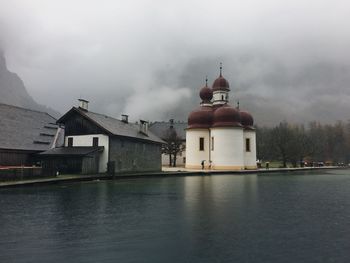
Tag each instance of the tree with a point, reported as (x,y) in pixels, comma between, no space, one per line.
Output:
(263,146)
(281,141)
(173,144)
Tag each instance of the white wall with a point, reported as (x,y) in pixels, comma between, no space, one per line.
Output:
(194,156)
(86,140)
(217,97)
(250,157)
(228,148)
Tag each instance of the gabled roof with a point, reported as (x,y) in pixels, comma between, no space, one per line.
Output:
(160,128)
(24,129)
(113,126)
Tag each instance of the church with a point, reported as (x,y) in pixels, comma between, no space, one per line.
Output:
(219,136)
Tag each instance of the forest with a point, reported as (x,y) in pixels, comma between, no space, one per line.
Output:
(314,144)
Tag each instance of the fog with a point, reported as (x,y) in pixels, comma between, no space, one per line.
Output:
(285,60)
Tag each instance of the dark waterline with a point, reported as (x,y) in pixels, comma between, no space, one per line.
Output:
(221,218)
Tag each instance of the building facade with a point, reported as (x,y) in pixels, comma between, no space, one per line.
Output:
(219,136)
(96,143)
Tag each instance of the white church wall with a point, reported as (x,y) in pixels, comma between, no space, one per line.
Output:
(194,156)
(228,148)
(250,156)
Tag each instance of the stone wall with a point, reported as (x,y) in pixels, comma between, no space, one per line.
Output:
(134,156)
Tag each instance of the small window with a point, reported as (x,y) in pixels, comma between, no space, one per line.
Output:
(201,144)
(222,97)
(95,141)
(212,143)
(247,145)
(70,142)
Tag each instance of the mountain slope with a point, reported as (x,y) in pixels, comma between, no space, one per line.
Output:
(13,91)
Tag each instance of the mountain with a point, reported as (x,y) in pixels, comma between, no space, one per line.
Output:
(13,91)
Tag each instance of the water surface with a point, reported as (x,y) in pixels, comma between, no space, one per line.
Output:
(293,217)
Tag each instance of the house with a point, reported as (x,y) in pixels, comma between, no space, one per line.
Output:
(24,133)
(163,129)
(219,136)
(96,143)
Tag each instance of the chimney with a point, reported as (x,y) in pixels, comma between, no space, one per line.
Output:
(83,104)
(144,127)
(125,118)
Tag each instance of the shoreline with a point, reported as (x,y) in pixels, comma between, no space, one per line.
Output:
(167,172)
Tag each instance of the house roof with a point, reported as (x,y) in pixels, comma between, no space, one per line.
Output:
(160,128)
(114,126)
(24,129)
(72,151)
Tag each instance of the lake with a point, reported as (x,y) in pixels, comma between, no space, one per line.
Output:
(291,217)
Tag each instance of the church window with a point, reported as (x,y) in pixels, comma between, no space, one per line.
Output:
(212,143)
(247,145)
(201,144)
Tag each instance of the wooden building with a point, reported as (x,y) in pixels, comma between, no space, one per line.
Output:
(96,143)
(24,133)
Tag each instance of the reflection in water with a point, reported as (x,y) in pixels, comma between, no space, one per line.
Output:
(221,218)
(214,203)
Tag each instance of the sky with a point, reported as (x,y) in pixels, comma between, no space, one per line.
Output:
(285,60)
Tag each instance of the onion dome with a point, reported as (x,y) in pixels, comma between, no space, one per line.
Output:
(217,106)
(226,116)
(201,118)
(206,94)
(221,83)
(246,119)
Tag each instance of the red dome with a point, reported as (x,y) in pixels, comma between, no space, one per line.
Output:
(226,116)
(200,118)
(246,119)
(206,93)
(221,84)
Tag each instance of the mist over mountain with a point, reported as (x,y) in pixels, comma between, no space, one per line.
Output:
(13,91)
(284,60)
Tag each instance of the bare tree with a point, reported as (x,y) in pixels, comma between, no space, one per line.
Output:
(173,144)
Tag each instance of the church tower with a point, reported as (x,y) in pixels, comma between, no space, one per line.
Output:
(221,89)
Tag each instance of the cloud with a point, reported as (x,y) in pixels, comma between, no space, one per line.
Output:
(149,58)
(152,104)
